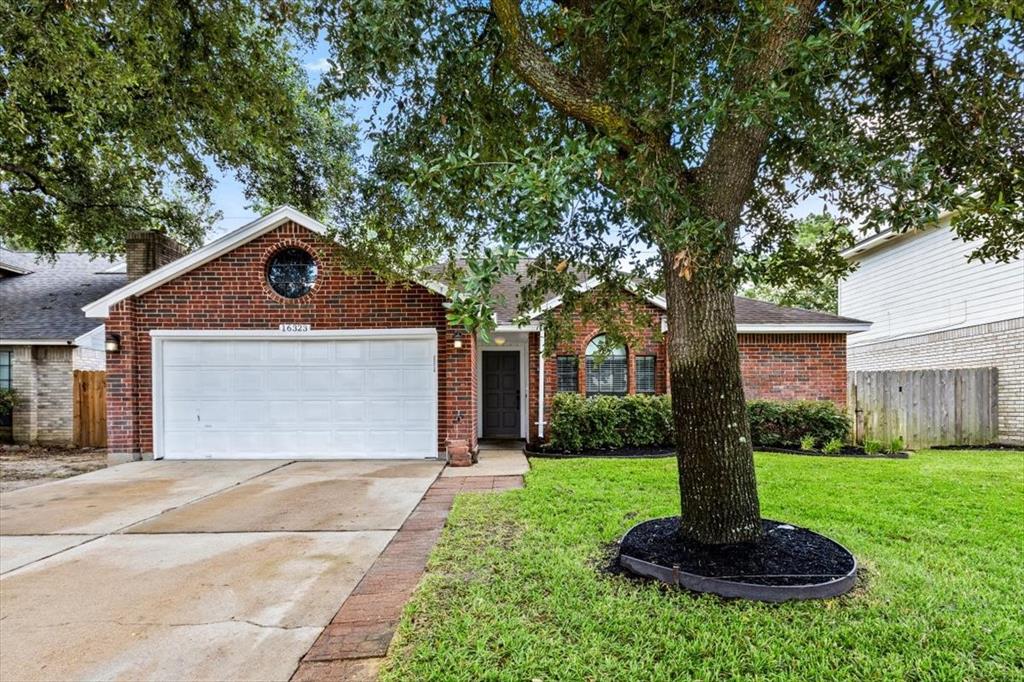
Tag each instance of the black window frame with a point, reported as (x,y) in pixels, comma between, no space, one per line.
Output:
(288,282)
(641,381)
(6,419)
(567,369)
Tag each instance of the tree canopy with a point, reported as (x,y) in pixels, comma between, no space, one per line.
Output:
(588,132)
(810,290)
(112,113)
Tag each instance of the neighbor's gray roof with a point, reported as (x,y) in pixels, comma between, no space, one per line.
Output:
(46,304)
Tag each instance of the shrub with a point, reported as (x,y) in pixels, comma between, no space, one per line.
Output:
(645,421)
(780,424)
(833,447)
(872,447)
(579,423)
(895,445)
(8,401)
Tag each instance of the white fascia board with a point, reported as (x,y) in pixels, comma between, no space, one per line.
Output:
(876,240)
(14,268)
(511,328)
(215,249)
(819,328)
(584,287)
(273,334)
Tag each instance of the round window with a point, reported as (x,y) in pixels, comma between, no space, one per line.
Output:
(291,272)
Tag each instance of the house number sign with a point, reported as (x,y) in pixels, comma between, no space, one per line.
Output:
(294,327)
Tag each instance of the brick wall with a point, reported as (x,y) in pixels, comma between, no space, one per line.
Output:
(794,366)
(42,376)
(651,342)
(231,292)
(996,344)
(774,366)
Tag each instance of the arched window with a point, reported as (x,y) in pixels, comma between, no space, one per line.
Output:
(606,367)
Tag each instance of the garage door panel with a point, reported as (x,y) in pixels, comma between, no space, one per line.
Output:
(386,352)
(349,411)
(384,412)
(417,352)
(283,351)
(418,380)
(315,398)
(419,413)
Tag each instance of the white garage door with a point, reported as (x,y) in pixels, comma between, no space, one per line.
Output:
(280,397)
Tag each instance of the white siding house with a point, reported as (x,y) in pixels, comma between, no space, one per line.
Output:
(932,309)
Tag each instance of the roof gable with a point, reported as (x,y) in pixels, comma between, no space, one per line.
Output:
(214,250)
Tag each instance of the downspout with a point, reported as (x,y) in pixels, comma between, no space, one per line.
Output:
(540,386)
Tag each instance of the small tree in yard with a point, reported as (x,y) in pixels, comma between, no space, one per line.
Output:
(672,139)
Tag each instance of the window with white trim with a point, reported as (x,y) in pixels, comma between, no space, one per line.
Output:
(6,365)
(606,368)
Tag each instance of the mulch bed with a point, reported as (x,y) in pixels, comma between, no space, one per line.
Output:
(650,452)
(787,555)
(847,451)
(990,446)
(633,452)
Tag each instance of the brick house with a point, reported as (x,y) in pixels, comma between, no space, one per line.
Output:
(45,338)
(260,345)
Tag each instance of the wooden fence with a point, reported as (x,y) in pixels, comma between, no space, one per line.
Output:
(925,407)
(90,408)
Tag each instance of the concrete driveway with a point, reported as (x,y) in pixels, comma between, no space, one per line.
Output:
(199,570)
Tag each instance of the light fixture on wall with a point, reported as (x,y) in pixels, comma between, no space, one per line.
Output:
(458,340)
(113,343)
(499,340)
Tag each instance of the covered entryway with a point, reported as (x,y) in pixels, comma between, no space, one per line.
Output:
(312,395)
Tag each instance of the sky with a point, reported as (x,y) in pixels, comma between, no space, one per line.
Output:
(229,199)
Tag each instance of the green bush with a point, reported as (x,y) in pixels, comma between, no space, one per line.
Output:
(776,423)
(872,447)
(579,423)
(807,443)
(645,421)
(8,401)
(833,447)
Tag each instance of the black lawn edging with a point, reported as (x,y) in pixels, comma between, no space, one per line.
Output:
(789,563)
(654,453)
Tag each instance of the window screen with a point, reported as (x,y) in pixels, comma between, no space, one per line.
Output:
(645,365)
(607,376)
(568,377)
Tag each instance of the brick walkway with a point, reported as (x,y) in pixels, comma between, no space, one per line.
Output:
(355,643)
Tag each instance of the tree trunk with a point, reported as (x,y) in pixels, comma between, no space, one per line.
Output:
(717,486)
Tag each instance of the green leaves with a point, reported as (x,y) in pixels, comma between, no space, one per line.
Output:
(112,111)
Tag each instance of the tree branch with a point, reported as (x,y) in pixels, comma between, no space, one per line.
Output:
(569,94)
(735,149)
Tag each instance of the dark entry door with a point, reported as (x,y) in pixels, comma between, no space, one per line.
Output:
(500,397)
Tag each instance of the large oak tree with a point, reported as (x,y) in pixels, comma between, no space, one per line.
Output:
(112,114)
(672,139)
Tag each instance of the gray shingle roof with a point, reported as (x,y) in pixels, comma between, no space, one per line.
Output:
(46,303)
(748,310)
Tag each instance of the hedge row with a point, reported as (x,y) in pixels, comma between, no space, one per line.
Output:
(608,422)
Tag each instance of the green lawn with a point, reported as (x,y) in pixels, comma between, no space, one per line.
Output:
(514,589)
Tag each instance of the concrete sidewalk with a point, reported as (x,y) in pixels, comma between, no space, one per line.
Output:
(494,460)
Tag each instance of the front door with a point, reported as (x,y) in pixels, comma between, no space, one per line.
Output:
(500,394)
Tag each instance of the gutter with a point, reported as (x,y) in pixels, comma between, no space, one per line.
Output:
(540,386)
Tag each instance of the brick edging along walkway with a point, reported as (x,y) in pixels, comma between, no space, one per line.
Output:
(364,625)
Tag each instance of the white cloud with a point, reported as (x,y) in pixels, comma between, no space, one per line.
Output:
(322,65)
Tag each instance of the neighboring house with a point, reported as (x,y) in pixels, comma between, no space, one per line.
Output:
(260,345)
(931,308)
(44,337)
